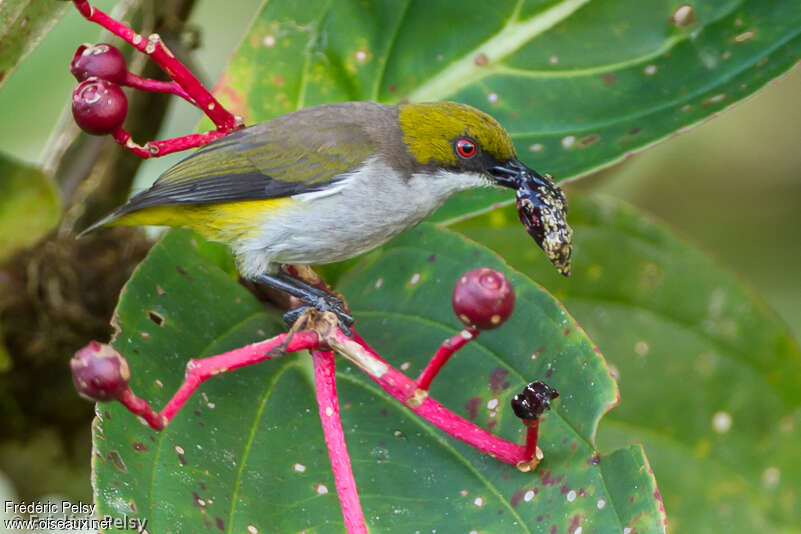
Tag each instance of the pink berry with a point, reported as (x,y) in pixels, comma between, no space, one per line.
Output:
(99,372)
(101,61)
(483,298)
(99,107)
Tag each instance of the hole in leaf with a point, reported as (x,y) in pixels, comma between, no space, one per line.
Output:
(156,317)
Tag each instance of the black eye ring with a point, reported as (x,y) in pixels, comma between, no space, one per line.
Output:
(466,148)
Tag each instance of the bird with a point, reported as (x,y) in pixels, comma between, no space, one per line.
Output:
(327,183)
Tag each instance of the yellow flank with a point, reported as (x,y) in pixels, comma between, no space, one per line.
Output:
(430,128)
(224,221)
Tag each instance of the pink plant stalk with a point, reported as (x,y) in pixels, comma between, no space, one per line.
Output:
(156,86)
(326,390)
(166,146)
(404,389)
(326,335)
(441,357)
(184,84)
(154,47)
(323,336)
(198,371)
(357,351)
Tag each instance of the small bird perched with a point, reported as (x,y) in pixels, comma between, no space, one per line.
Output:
(327,183)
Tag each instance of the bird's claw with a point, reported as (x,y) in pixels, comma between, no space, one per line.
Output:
(329,303)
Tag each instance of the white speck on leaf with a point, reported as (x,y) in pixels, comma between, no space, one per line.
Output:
(721,422)
(771,477)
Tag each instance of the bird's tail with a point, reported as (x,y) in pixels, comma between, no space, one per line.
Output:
(104,221)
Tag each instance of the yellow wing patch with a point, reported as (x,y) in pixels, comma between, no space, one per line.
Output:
(226,222)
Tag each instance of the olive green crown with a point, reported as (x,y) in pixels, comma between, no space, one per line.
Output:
(429,130)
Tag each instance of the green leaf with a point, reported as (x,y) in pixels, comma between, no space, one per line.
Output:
(578,84)
(708,374)
(23,23)
(5,357)
(247,450)
(29,206)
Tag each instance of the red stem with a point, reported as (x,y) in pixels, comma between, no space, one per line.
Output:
(403,388)
(156,86)
(532,434)
(155,48)
(198,371)
(391,380)
(441,357)
(165,146)
(325,382)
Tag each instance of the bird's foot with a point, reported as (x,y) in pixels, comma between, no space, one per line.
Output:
(294,315)
(312,297)
(327,303)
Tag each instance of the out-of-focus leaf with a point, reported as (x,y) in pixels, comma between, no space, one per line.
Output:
(23,23)
(5,357)
(29,206)
(708,374)
(578,84)
(247,454)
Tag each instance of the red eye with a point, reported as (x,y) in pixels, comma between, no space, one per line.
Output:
(466,148)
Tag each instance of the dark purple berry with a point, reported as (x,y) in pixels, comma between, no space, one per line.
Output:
(99,372)
(99,107)
(534,400)
(101,61)
(483,298)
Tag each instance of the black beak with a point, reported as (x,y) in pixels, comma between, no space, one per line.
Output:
(542,208)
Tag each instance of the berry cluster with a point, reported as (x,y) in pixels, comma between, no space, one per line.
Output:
(98,104)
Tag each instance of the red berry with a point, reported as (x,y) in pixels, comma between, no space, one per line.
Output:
(99,107)
(101,61)
(99,372)
(483,298)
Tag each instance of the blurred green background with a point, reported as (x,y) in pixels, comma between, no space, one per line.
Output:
(730,185)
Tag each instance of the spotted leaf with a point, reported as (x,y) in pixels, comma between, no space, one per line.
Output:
(721,424)
(247,454)
(578,84)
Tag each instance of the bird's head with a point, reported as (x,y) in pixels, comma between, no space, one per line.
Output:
(468,142)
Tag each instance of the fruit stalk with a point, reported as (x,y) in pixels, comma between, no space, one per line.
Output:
(448,348)
(328,403)
(154,47)
(403,388)
(164,146)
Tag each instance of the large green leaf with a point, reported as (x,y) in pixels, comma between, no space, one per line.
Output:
(247,450)
(23,23)
(29,206)
(578,84)
(708,374)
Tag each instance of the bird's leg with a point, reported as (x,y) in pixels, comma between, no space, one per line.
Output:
(310,295)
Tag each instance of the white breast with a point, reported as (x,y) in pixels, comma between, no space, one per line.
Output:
(361,212)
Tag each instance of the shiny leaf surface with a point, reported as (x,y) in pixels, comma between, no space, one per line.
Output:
(23,23)
(708,374)
(247,451)
(578,84)
(29,206)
